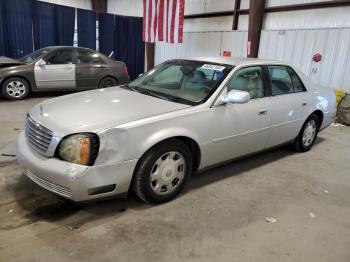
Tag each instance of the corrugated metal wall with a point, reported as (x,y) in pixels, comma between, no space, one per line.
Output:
(298,46)
(292,46)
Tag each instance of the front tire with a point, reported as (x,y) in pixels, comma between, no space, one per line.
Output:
(162,172)
(307,135)
(15,88)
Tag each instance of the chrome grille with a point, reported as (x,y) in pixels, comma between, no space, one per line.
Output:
(66,192)
(38,136)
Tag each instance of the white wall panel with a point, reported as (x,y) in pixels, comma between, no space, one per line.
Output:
(194,45)
(84,4)
(290,2)
(335,17)
(298,46)
(125,7)
(203,44)
(194,6)
(223,23)
(236,42)
(217,6)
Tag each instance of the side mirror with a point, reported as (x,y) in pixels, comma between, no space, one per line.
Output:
(236,97)
(41,62)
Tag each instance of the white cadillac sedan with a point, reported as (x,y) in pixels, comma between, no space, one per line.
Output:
(180,117)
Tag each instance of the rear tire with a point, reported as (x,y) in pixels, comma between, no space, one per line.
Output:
(15,88)
(163,172)
(108,82)
(307,135)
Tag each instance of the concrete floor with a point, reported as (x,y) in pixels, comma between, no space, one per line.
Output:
(220,216)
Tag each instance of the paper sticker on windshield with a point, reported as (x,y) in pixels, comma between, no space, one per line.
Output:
(213,67)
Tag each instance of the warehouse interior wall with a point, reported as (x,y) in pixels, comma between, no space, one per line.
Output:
(83,4)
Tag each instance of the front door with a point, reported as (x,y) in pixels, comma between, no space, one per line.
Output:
(241,129)
(58,72)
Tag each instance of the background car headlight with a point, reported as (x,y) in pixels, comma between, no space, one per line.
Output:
(79,148)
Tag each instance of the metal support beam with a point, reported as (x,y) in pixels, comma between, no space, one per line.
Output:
(99,6)
(256,17)
(236,14)
(150,55)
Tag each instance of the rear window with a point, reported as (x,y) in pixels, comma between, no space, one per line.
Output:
(281,82)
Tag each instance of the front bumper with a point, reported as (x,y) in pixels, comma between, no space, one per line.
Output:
(70,180)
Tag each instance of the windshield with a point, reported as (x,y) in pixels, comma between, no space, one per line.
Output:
(182,81)
(34,56)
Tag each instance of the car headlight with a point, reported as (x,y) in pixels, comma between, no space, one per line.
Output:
(79,148)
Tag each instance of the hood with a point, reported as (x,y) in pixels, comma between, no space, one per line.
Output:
(6,61)
(98,109)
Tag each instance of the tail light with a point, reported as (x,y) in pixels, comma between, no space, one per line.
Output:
(126,71)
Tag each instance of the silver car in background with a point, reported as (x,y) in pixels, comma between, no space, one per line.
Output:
(182,116)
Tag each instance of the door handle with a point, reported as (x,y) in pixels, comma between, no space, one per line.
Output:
(304,103)
(262,112)
(67,68)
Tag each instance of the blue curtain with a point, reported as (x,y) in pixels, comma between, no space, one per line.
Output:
(64,25)
(86,28)
(106,33)
(17,32)
(43,24)
(128,44)
(2,36)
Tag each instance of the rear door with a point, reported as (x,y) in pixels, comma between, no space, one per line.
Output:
(289,102)
(90,68)
(58,72)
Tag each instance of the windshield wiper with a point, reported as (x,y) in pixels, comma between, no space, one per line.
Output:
(129,87)
(151,93)
(143,91)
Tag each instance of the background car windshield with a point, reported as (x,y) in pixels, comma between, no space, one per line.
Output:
(34,56)
(189,82)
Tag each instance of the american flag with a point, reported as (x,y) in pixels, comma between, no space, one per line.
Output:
(163,20)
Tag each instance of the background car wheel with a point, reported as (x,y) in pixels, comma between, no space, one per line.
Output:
(307,134)
(162,172)
(15,88)
(108,82)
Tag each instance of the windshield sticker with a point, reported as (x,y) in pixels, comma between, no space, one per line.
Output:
(213,67)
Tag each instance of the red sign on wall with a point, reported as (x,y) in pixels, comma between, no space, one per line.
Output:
(226,53)
(317,57)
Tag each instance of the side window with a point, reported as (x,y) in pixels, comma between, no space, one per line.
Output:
(281,82)
(172,74)
(297,84)
(248,79)
(88,57)
(63,56)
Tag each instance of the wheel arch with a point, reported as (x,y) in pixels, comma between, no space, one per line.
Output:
(19,76)
(320,116)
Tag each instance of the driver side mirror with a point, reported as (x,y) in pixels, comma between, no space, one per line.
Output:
(41,62)
(236,97)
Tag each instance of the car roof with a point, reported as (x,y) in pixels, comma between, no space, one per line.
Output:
(235,60)
(62,46)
